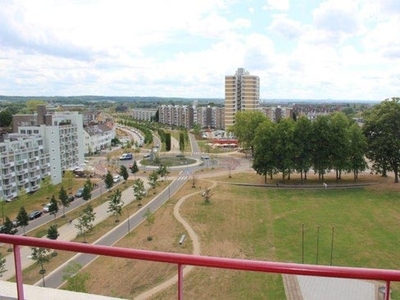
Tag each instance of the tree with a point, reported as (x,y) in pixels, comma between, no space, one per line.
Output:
(153,179)
(181,142)
(5,118)
(168,141)
(284,147)
(196,129)
(163,171)
(265,141)
(150,221)
(381,128)
(53,208)
(139,190)
(8,227)
(87,190)
(246,123)
(41,256)
(302,146)
(115,204)
(339,143)
(63,196)
(85,221)
(320,139)
(108,180)
(357,149)
(75,280)
(22,218)
(31,105)
(2,265)
(52,232)
(134,168)
(123,172)
(206,194)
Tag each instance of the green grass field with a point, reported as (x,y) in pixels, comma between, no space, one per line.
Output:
(267,224)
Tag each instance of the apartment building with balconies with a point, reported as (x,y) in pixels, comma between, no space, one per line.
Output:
(242,92)
(63,137)
(24,163)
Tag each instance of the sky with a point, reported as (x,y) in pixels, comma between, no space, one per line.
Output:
(300,49)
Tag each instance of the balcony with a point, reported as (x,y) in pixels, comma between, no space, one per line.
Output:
(182,260)
(8,175)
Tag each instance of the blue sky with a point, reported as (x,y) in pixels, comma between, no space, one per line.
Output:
(305,49)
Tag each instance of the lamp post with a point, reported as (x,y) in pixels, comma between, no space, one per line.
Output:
(2,208)
(129,225)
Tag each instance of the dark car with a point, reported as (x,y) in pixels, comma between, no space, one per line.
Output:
(71,198)
(35,214)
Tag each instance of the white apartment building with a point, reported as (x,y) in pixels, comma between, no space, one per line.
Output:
(63,138)
(143,114)
(98,137)
(24,162)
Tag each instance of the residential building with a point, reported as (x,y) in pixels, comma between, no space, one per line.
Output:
(24,163)
(211,117)
(63,137)
(242,92)
(275,114)
(98,137)
(143,114)
(176,115)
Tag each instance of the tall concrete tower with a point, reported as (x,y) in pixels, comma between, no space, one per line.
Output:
(242,92)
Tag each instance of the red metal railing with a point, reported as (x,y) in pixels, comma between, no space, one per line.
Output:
(196,260)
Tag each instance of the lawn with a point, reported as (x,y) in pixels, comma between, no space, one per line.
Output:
(265,224)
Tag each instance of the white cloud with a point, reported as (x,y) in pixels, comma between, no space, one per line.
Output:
(281,5)
(286,27)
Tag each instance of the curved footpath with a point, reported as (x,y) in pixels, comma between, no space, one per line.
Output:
(196,248)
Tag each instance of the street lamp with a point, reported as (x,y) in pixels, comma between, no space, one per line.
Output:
(129,225)
(2,208)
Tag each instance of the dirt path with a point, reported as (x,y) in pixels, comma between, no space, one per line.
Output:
(196,248)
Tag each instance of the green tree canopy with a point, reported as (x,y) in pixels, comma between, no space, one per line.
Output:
(246,123)
(382,130)
(5,118)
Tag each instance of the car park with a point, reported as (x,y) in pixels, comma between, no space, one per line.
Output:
(35,214)
(79,193)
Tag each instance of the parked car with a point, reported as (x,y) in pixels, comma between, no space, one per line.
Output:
(46,208)
(15,223)
(126,156)
(35,214)
(146,155)
(79,193)
(71,198)
(116,178)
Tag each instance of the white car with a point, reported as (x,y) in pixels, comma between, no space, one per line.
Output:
(116,178)
(46,208)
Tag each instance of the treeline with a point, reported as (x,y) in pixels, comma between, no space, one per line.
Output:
(331,142)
